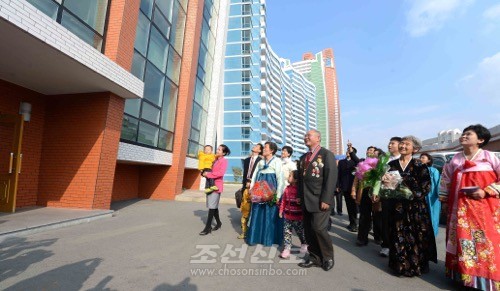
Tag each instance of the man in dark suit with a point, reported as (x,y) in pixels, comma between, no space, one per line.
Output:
(316,186)
(346,168)
(249,165)
(252,160)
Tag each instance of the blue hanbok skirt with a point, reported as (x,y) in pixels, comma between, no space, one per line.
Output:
(266,227)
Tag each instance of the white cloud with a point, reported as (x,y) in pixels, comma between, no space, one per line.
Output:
(492,13)
(427,15)
(484,83)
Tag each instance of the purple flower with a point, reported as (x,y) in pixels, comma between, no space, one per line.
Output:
(372,162)
(362,168)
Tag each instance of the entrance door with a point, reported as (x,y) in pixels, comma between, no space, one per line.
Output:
(11,135)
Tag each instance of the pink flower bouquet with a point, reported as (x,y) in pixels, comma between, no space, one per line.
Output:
(370,172)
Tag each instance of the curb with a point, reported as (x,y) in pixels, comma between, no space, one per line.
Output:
(55,225)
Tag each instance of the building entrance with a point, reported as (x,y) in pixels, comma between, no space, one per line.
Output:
(11,133)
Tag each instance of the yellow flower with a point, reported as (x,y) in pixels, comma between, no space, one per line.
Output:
(466,278)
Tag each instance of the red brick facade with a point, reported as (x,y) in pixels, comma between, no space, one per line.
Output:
(71,144)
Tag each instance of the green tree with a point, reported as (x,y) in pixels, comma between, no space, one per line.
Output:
(237,174)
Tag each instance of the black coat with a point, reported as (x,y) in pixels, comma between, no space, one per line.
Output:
(317,182)
(346,169)
(246,165)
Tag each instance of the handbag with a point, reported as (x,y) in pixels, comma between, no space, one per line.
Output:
(261,192)
(238,196)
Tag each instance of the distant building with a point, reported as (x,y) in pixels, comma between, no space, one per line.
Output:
(320,69)
(265,99)
(447,140)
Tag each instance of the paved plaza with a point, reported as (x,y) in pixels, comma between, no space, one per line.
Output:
(154,245)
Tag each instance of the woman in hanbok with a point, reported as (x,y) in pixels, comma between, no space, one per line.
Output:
(469,184)
(266,227)
(433,196)
(412,242)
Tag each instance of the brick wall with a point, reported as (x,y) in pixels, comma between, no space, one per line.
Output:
(192,179)
(154,182)
(126,182)
(120,34)
(109,152)
(11,96)
(80,135)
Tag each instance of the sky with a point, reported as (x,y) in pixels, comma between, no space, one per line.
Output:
(403,66)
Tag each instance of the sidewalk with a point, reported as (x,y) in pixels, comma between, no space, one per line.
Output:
(31,220)
(155,245)
(227,196)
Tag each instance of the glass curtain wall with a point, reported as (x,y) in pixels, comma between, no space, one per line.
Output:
(157,60)
(86,19)
(203,77)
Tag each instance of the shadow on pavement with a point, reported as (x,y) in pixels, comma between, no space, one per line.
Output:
(184,285)
(17,254)
(203,215)
(68,277)
(235,219)
(370,254)
(123,204)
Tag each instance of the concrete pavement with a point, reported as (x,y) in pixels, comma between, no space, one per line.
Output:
(154,245)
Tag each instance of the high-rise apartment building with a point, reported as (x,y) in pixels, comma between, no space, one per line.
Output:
(320,69)
(265,99)
(106,100)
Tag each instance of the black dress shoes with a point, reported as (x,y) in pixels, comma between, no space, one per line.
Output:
(206,231)
(328,265)
(308,264)
(352,228)
(218,226)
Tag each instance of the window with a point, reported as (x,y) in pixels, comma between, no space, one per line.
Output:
(246,9)
(246,22)
(246,35)
(157,61)
(203,81)
(246,62)
(245,76)
(245,104)
(245,89)
(245,132)
(246,48)
(245,118)
(86,19)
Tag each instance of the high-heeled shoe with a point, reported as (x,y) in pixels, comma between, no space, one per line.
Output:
(206,231)
(218,226)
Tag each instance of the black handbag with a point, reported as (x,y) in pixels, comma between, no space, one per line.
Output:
(238,195)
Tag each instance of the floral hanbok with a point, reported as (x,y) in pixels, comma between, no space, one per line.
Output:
(265,225)
(473,226)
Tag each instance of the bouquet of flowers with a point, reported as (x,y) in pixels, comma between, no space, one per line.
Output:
(263,192)
(370,173)
(392,187)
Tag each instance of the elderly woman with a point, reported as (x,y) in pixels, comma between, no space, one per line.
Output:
(266,227)
(433,196)
(470,185)
(218,170)
(412,242)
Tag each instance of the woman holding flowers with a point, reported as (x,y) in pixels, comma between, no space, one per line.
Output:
(412,242)
(266,227)
(471,186)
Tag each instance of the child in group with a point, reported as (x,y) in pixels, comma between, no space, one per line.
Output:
(291,210)
(246,204)
(205,160)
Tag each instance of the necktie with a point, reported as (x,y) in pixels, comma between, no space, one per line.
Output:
(249,175)
(308,160)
